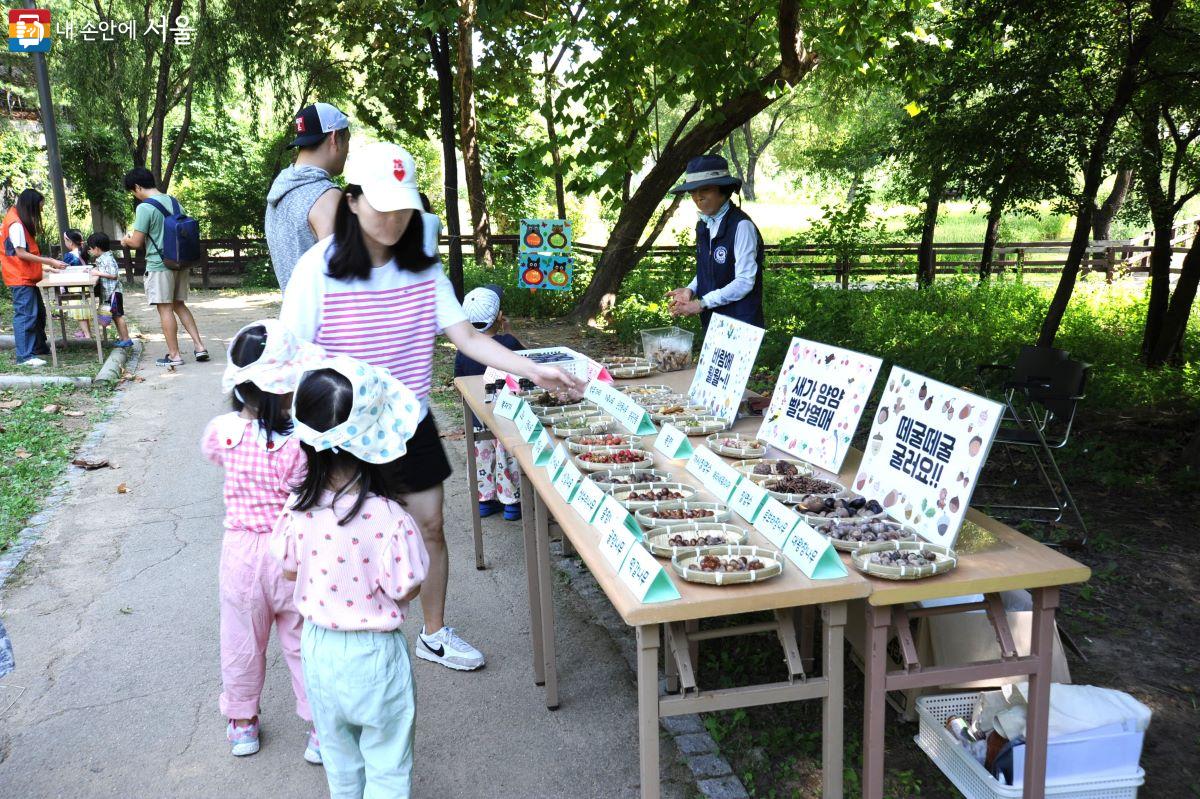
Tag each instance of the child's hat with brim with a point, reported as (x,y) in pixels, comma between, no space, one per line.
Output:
(285,357)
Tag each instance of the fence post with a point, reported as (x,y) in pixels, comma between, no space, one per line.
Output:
(128,259)
(1021,261)
(204,269)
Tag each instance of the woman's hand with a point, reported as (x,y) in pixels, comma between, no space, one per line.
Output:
(677,296)
(555,379)
(688,308)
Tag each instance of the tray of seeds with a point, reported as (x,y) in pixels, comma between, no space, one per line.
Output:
(797,488)
(850,535)
(586,443)
(653,404)
(626,367)
(735,445)
(680,512)
(728,565)
(904,560)
(675,411)
(543,398)
(647,495)
(582,425)
(760,470)
(643,393)
(700,424)
(615,458)
(825,507)
(667,542)
(555,415)
(611,479)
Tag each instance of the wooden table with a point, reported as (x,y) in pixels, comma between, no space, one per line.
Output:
(85,285)
(993,557)
(679,618)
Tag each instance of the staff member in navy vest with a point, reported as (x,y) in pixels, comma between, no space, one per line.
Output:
(729,249)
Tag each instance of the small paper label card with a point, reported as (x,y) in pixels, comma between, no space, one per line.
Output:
(673,442)
(813,553)
(775,521)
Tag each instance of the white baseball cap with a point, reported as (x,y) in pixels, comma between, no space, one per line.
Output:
(481,306)
(388,176)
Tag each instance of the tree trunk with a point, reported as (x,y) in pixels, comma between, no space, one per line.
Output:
(1103,217)
(468,126)
(992,233)
(1174,324)
(618,259)
(439,51)
(734,159)
(751,161)
(926,258)
(1122,94)
(560,194)
(1162,216)
(161,104)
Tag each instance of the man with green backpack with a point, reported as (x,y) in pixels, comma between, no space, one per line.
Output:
(172,245)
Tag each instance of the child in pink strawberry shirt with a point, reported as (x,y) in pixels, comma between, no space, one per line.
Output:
(262,461)
(358,560)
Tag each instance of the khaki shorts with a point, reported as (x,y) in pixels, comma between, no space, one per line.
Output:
(166,287)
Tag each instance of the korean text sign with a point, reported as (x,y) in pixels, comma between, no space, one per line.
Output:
(726,358)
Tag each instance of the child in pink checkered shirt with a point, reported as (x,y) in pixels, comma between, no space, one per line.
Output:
(262,462)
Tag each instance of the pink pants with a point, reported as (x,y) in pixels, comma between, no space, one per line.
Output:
(254,594)
(497,473)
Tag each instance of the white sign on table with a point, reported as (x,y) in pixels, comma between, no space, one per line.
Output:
(673,442)
(559,457)
(564,358)
(748,499)
(631,415)
(528,425)
(508,405)
(726,358)
(710,469)
(615,544)
(775,521)
(542,448)
(817,402)
(568,480)
(613,515)
(813,553)
(587,499)
(645,577)
(926,448)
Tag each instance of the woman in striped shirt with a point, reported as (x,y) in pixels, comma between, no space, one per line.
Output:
(375,290)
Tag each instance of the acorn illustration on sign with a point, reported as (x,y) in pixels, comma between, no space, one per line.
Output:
(557,239)
(533,238)
(558,275)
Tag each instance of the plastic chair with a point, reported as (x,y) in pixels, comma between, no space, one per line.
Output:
(1042,390)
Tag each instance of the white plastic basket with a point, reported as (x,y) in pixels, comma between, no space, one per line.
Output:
(970,777)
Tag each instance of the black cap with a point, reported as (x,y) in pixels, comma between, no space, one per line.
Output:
(314,122)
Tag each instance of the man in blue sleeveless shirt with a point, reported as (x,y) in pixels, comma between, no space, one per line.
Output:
(729,249)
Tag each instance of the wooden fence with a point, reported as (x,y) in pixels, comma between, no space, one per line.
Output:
(231,256)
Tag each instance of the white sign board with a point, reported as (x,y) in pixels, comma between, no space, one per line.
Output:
(726,358)
(817,402)
(926,448)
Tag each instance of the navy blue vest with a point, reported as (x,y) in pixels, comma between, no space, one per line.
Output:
(715,269)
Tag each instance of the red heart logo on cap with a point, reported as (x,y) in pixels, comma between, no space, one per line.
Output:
(398,168)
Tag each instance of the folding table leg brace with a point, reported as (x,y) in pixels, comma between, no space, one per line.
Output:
(1037,666)
(682,639)
(471,436)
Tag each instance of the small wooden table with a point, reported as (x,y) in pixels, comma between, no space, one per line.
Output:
(672,627)
(88,299)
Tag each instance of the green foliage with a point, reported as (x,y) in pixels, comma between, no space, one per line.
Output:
(223,176)
(260,274)
(22,166)
(845,231)
(94,160)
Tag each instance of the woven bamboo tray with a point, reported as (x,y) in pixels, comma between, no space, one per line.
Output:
(687,566)
(946,561)
(657,539)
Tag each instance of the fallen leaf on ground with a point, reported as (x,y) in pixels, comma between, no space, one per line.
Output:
(90,463)
(125,611)
(74,414)
(122,489)
(9,405)
(454,435)
(51,408)
(22,453)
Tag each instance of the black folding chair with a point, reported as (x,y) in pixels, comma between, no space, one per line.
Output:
(1042,390)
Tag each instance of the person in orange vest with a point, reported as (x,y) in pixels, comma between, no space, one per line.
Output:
(24,267)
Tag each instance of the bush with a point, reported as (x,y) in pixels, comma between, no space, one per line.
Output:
(260,274)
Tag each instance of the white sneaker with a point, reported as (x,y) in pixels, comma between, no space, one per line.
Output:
(447,648)
(32,362)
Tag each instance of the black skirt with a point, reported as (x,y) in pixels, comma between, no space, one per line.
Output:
(423,466)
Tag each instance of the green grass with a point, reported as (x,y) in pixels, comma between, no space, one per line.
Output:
(37,446)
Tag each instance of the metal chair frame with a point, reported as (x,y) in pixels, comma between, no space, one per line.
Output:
(1034,415)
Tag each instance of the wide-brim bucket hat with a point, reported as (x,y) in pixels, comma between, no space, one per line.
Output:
(707,170)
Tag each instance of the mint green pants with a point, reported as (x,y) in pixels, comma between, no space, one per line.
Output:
(361,692)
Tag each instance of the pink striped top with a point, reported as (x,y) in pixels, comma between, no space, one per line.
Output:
(389,320)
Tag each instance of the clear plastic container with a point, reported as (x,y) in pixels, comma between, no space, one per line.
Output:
(669,349)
